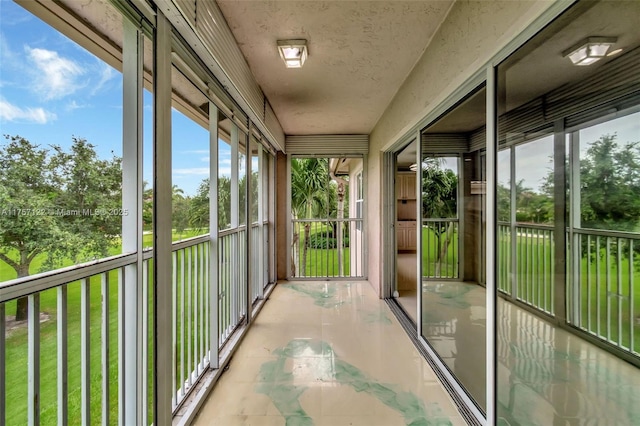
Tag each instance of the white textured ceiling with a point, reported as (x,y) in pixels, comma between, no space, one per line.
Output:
(360,52)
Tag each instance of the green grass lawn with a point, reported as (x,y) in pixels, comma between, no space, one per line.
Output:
(16,356)
(17,349)
(435,262)
(323,262)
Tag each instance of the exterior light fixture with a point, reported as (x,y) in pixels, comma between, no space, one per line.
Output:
(589,50)
(413,167)
(293,52)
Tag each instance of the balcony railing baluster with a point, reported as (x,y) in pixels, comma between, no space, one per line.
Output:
(322,257)
(62,358)
(33,403)
(603,282)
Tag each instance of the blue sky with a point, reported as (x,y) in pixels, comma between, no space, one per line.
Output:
(52,89)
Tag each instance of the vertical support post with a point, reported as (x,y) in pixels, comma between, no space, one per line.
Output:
(559,229)
(234,279)
(261,191)
(63,377)
(249,267)
(162,223)
(389,241)
(132,58)
(364,251)
(213,236)
(419,248)
(33,403)
(271,215)
(573,314)
(491,209)
(461,200)
(289,223)
(235,194)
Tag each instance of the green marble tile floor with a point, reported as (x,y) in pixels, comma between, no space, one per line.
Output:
(328,354)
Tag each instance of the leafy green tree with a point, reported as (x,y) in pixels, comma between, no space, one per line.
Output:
(503,194)
(180,206)
(224,202)
(92,187)
(309,182)
(439,190)
(57,204)
(199,208)
(531,206)
(610,185)
(147,206)
(439,200)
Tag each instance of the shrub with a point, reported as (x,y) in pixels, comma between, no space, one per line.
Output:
(321,240)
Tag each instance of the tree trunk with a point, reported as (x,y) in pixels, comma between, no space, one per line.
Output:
(294,254)
(22,303)
(307,231)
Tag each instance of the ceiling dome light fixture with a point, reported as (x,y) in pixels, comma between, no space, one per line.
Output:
(293,52)
(614,52)
(589,50)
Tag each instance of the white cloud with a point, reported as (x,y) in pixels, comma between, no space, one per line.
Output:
(5,51)
(224,171)
(107,73)
(193,171)
(11,112)
(56,77)
(73,105)
(205,159)
(196,151)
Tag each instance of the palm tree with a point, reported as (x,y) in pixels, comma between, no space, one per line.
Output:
(308,198)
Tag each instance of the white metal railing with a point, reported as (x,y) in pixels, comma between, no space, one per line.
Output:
(316,250)
(602,271)
(535,265)
(531,255)
(190,314)
(606,264)
(86,332)
(232,279)
(259,247)
(440,254)
(63,367)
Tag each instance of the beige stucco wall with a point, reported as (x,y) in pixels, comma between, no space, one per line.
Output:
(472,33)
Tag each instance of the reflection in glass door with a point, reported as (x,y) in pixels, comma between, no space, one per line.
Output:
(604,231)
(440,230)
(452,206)
(568,230)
